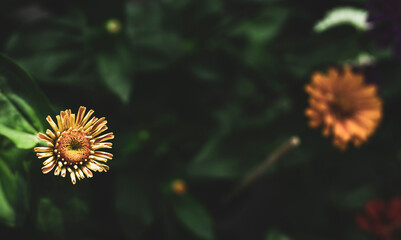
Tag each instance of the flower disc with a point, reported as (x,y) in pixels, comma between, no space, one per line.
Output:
(74,147)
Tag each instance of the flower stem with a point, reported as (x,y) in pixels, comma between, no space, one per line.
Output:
(258,171)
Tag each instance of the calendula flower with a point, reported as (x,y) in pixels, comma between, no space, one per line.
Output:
(382,219)
(345,105)
(73,145)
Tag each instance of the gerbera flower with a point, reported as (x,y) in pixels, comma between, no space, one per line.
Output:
(73,145)
(345,105)
(381,219)
(385,18)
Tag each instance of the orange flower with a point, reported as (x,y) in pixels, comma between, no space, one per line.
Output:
(74,145)
(345,105)
(179,187)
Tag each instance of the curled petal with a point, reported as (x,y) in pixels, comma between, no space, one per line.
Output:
(80,115)
(52,124)
(97,158)
(63,171)
(57,170)
(99,131)
(51,134)
(80,173)
(47,168)
(101,145)
(72,176)
(104,154)
(43,155)
(104,137)
(45,138)
(43,149)
(50,159)
(86,118)
(87,172)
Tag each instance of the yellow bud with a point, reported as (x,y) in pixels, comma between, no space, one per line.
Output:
(113,26)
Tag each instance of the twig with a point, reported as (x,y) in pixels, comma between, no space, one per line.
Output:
(255,174)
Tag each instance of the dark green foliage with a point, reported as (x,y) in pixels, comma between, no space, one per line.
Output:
(202,91)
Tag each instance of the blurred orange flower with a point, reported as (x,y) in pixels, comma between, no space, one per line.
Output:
(179,187)
(345,105)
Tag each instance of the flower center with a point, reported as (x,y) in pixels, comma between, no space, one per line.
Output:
(74,147)
(342,107)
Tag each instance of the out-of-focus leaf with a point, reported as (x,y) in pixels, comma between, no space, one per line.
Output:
(13,196)
(17,82)
(273,111)
(215,168)
(55,50)
(343,16)
(353,199)
(50,218)
(225,118)
(7,213)
(154,47)
(77,210)
(274,234)
(9,182)
(133,207)
(131,142)
(21,139)
(260,31)
(327,54)
(18,121)
(114,75)
(7,193)
(265,27)
(194,216)
(13,117)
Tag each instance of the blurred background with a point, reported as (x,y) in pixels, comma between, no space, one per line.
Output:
(198,95)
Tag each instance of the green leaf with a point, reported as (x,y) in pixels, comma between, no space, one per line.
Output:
(343,16)
(16,82)
(259,32)
(21,139)
(354,198)
(218,168)
(18,121)
(274,234)
(133,207)
(50,218)
(194,216)
(13,196)
(114,75)
(9,182)
(8,189)
(12,116)
(7,213)
(76,210)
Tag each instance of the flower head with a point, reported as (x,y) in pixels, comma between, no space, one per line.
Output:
(381,219)
(345,105)
(113,26)
(179,187)
(74,145)
(385,18)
